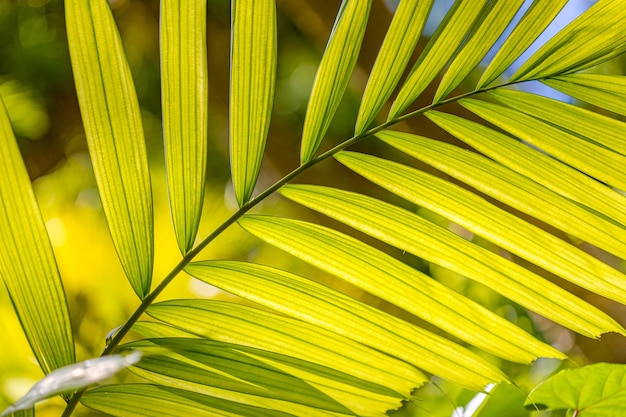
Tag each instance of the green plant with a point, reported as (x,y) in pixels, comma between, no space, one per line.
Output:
(326,353)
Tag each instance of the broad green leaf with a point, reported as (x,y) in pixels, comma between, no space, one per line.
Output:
(597,390)
(70,378)
(534,165)
(405,287)
(112,122)
(184,86)
(27,264)
(491,27)
(594,160)
(242,325)
(410,232)
(253,75)
(324,307)
(513,189)
(144,400)
(333,74)
(442,45)
(538,16)
(260,378)
(594,37)
(605,91)
(591,126)
(393,57)
(494,224)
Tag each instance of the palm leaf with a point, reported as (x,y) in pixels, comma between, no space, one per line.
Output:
(441,47)
(114,134)
(570,50)
(333,73)
(405,287)
(35,288)
(535,20)
(144,400)
(498,16)
(605,91)
(185,88)
(256,328)
(253,73)
(319,305)
(418,236)
(393,57)
(321,352)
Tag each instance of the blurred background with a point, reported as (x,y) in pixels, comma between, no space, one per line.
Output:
(37,87)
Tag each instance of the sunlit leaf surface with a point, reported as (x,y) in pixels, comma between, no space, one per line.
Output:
(406,287)
(253,74)
(114,131)
(333,73)
(422,238)
(393,57)
(184,86)
(27,264)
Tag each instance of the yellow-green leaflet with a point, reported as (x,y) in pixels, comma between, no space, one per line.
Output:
(27,264)
(393,57)
(366,267)
(243,325)
(258,377)
(591,126)
(252,77)
(494,224)
(592,38)
(184,86)
(112,122)
(143,400)
(319,305)
(333,74)
(538,16)
(499,15)
(596,161)
(442,45)
(410,232)
(513,189)
(537,166)
(605,91)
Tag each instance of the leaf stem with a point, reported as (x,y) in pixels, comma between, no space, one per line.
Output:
(146,302)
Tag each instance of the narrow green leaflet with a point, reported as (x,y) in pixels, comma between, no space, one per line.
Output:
(324,307)
(112,122)
(252,75)
(366,267)
(333,74)
(596,128)
(491,27)
(597,390)
(605,91)
(442,45)
(596,161)
(594,37)
(184,86)
(393,57)
(534,165)
(416,235)
(493,223)
(538,16)
(27,264)
(513,189)
(261,378)
(235,323)
(144,400)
